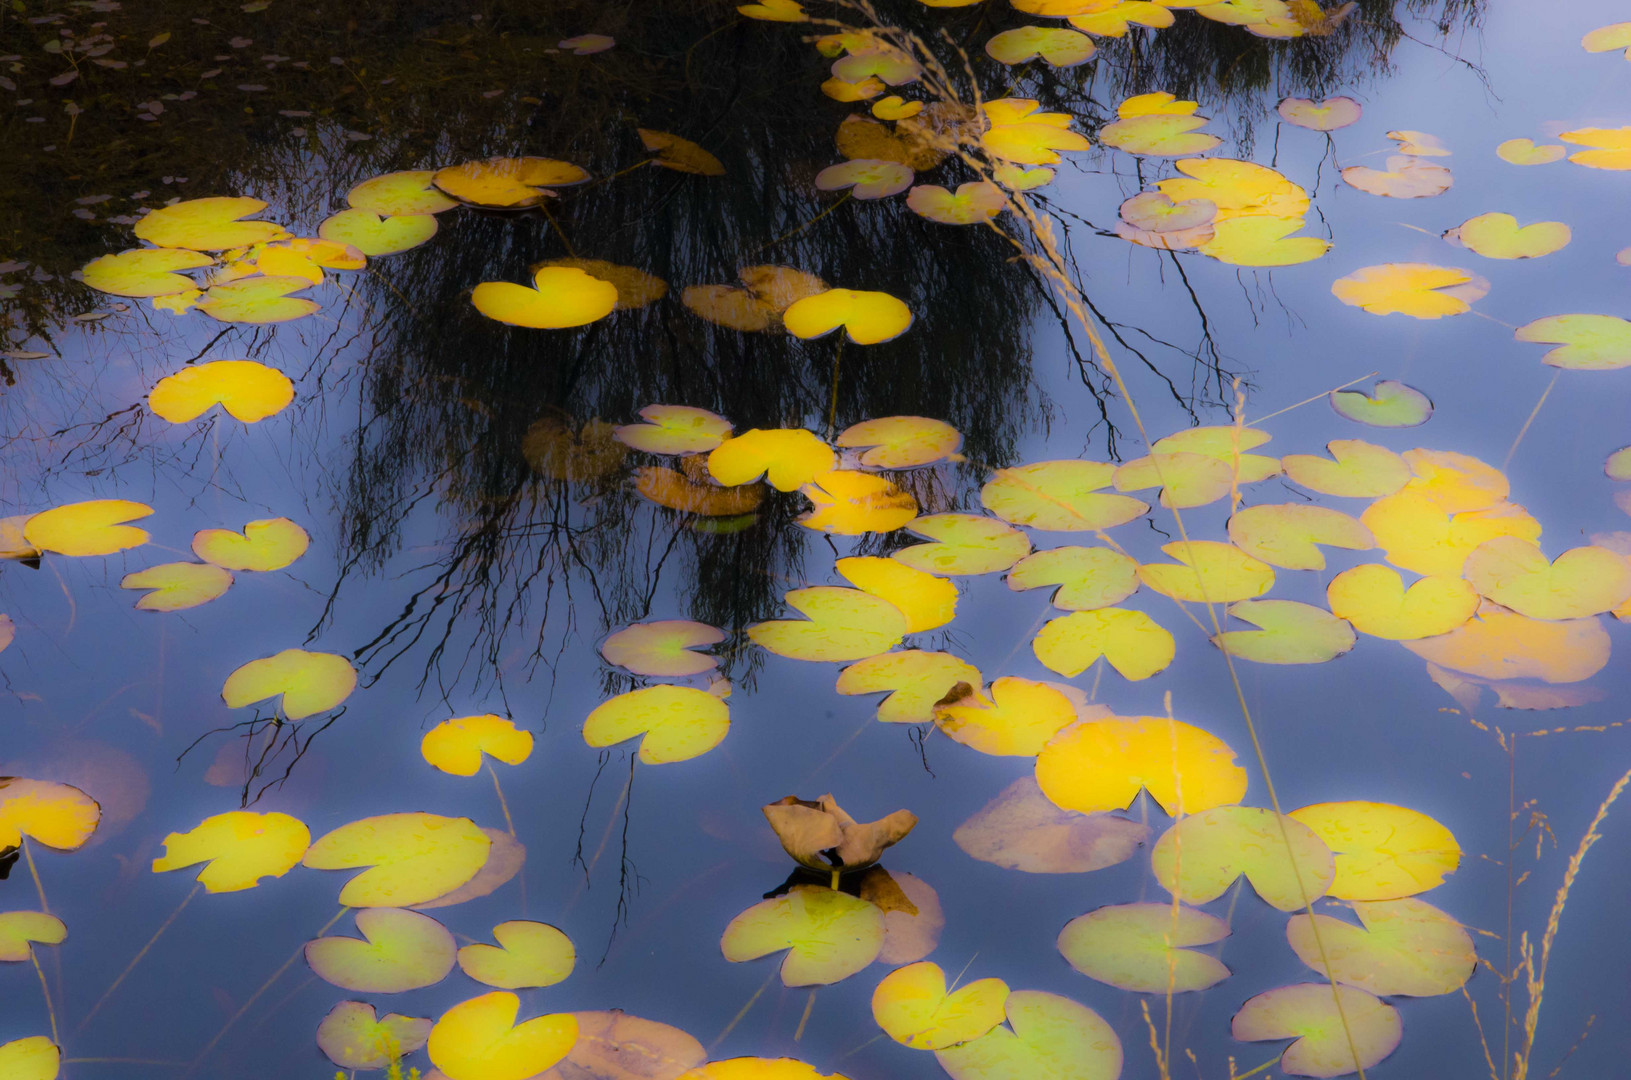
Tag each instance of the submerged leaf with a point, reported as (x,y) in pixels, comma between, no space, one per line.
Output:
(1022,830)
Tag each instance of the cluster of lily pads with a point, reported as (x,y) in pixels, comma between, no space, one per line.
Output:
(1487,609)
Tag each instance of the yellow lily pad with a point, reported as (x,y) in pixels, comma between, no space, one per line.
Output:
(1338,1030)
(177,586)
(1391,404)
(1146,948)
(258,300)
(144,271)
(1289,633)
(1046,1035)
(674,429)
(1097,765)
(913,1007)
(507,183)
(1015,719)
(456,745)
(1383,852)
(528,954)
(673,723)
(1207,572)
(1288,535)
(1060,496)
(963,544)
(915,681)
(241,847)
(411,857)
(560,297)
(867,317)
(839,625)
(1584,342)
(1356,470)
(1404,947)
(1129,641)
(399,951)
(663,648)
(354,1036)
(263,546)
(1420,290)
(1498,236)
(848,503)
(788,457)
(308,682)
(83,529)
(247,390)
(210,224)
(375,235)
(59,816)
(1201,856)
(928,602)
(829,935)
(479,1039)
(395,194)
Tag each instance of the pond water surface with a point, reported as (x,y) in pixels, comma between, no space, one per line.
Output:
(478,531)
